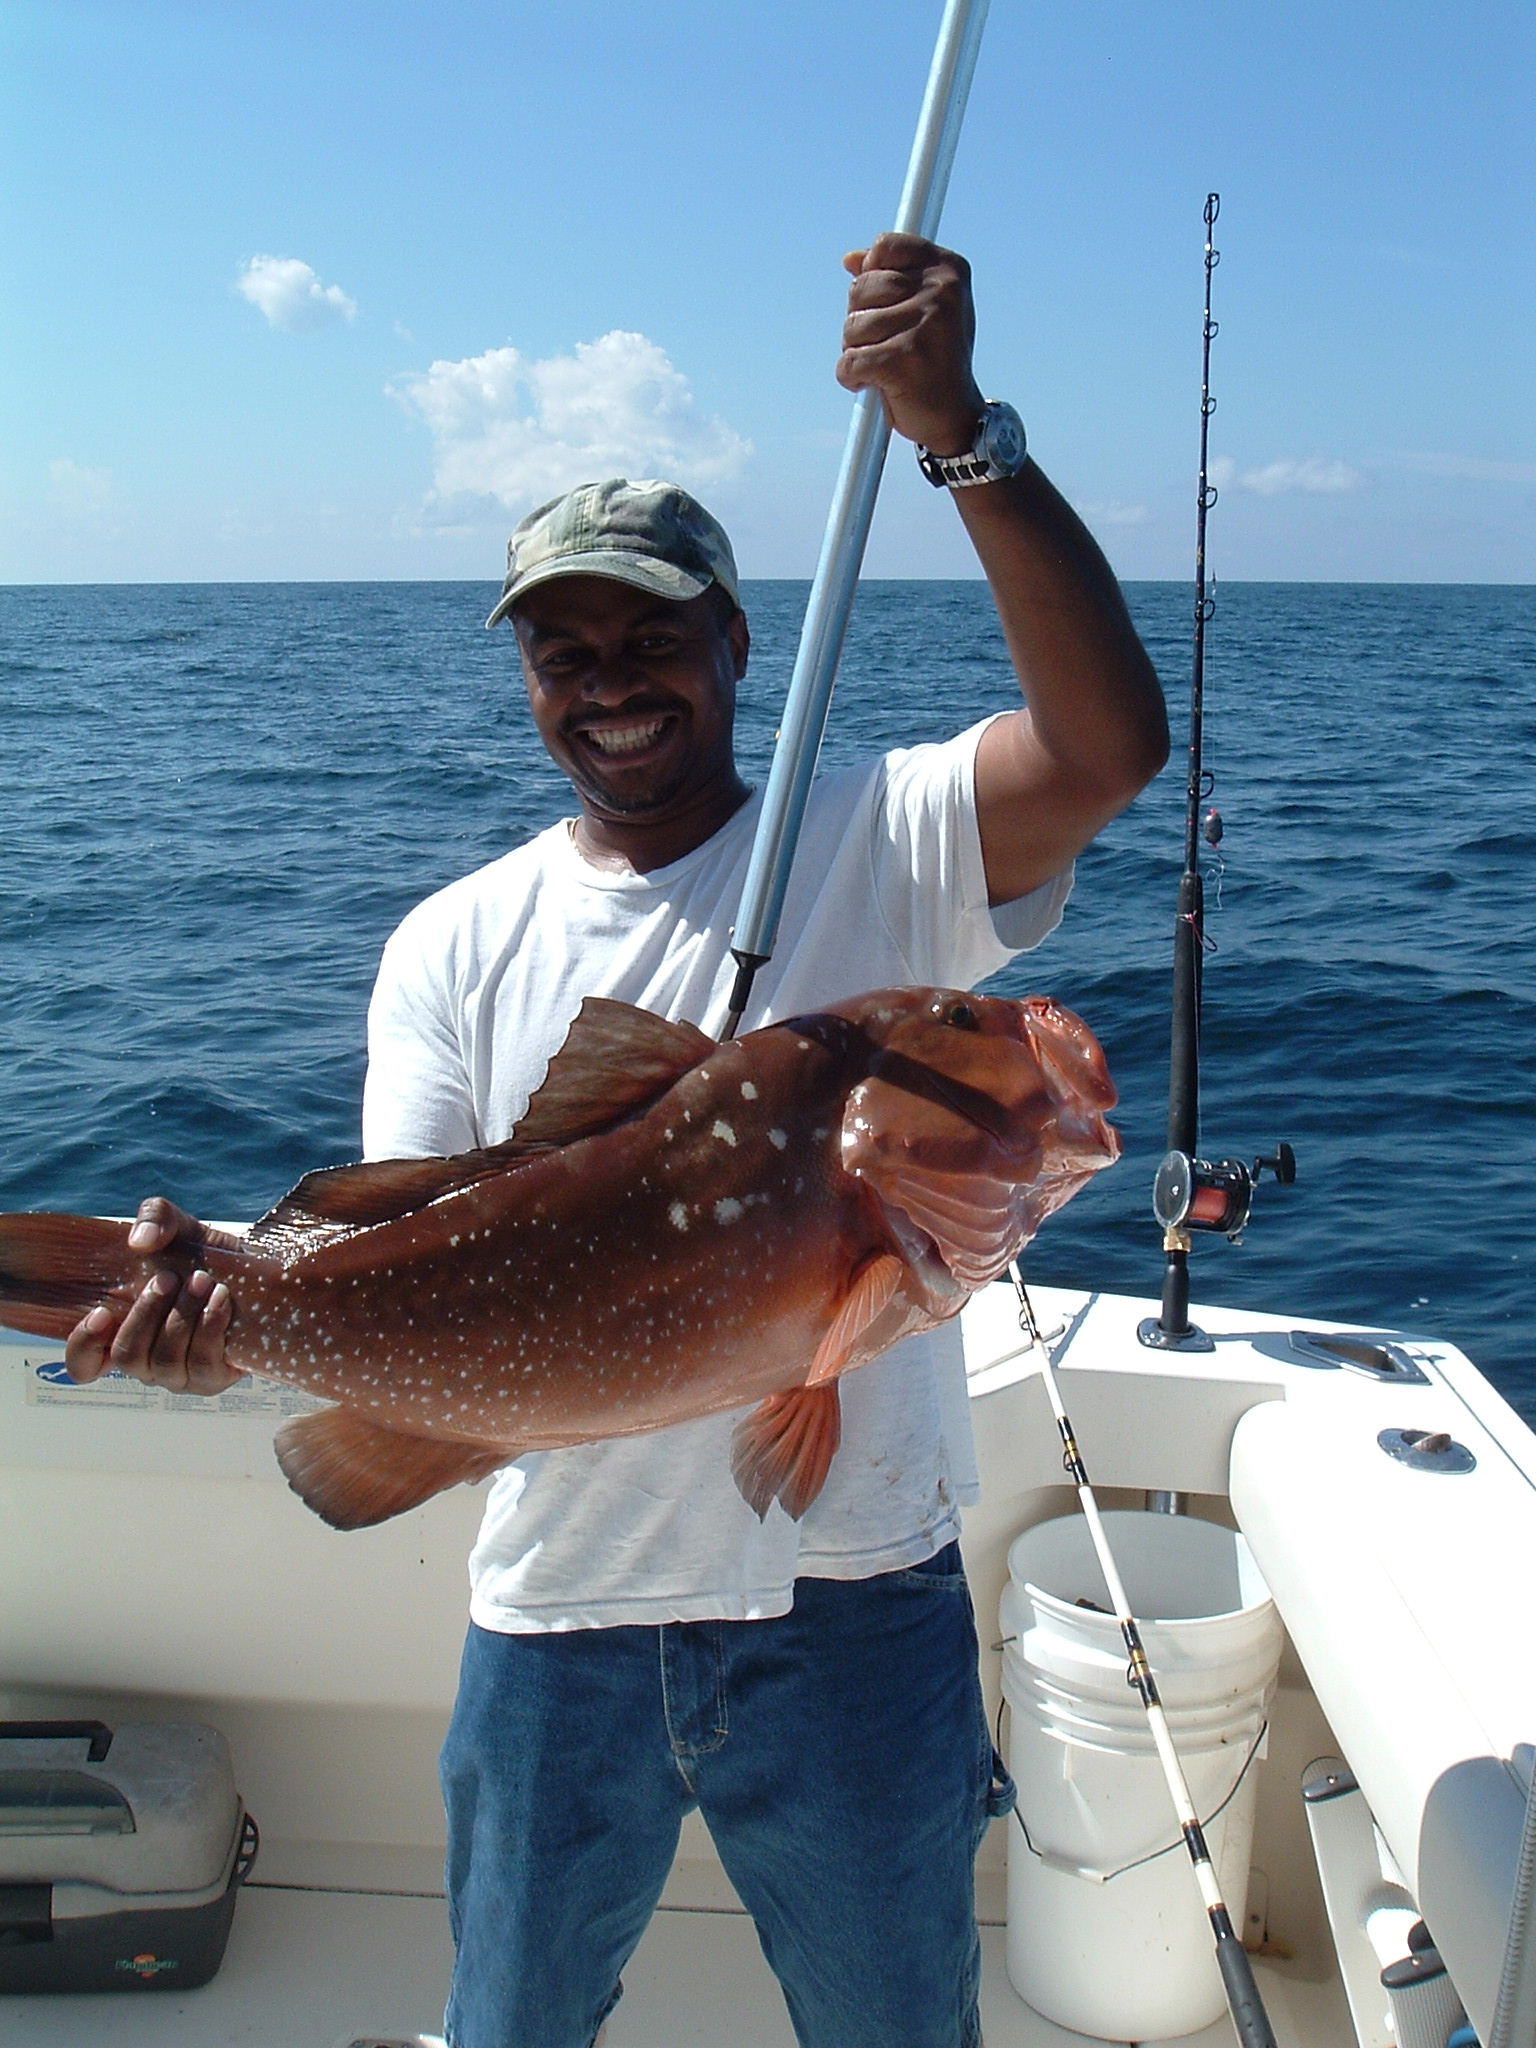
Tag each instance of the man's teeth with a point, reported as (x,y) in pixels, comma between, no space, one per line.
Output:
(624,739)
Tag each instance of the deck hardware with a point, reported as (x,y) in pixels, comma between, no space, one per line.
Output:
(1329,1785)
(396,2041)
(1427,1451)
(1376,1360)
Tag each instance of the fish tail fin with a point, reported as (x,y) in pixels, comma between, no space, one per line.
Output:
(354,1472)
(784,1449)
(54,1269)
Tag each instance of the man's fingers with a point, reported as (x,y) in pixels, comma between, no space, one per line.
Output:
(85,1351)
(208,1371)
(173,1342)
(883,288)
(157,1223)
(881,323)
(135,1347)
(893,251)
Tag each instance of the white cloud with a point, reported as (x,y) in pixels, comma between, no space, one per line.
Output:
(1114,513)
(291,296)
(518,432)
(78,492)
(1309,473)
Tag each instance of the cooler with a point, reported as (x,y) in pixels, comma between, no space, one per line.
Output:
(121,1850)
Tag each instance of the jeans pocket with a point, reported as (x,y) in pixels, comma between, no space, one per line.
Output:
(944,1571)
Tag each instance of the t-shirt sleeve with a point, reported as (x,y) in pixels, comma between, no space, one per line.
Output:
(930,877)
(417,1098)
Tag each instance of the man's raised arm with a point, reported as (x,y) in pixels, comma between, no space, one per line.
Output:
(1094,730)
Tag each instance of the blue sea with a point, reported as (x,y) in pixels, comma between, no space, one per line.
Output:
(220,799)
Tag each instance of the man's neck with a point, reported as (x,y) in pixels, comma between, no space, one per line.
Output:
(643,845)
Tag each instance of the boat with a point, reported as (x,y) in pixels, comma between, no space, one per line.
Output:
(157,1569)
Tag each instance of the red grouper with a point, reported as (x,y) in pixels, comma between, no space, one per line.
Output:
(676,1227)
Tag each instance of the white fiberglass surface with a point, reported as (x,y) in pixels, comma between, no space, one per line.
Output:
(324,1970)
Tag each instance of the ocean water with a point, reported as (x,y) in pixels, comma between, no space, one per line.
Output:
(219,800)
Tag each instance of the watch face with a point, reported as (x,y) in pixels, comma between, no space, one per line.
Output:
(1002,438)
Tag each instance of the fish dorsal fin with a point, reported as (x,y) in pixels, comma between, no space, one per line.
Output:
(335,1201)
(615,1060)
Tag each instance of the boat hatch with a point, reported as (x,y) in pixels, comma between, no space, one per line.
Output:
(1377,1361)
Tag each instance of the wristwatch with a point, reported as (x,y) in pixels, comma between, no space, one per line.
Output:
(999,450)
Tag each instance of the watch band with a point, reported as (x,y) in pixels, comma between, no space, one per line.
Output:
(998,451)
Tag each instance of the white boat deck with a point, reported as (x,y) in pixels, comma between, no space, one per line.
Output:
(328,1969)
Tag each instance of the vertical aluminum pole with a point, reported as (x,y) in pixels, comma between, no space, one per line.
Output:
(848,522)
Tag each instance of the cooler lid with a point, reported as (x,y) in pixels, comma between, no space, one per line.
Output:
(148,1806)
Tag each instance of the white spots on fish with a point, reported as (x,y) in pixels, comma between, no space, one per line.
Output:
(778,1139)
(454,1241)
(749,1091)
(723,1131)
(727,1209)
(819,1133)
(678,1216)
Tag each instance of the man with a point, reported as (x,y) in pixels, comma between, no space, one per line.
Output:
(640,1643)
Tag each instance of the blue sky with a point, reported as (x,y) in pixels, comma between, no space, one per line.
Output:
(326,290)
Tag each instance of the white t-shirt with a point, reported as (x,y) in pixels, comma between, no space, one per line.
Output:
(474,996)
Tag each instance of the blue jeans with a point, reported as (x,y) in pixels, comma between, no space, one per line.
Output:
(840,1757)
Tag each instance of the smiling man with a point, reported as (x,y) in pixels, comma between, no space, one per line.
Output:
(642,1644)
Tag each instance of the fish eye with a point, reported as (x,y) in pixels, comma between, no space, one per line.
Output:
(963,1017)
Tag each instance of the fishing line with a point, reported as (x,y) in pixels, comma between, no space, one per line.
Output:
(1243,2000)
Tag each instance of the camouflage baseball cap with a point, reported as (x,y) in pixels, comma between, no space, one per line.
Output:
(651,534)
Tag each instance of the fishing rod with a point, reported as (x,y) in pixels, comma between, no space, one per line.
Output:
(1243,2000)
(842,550)
(1190,1193)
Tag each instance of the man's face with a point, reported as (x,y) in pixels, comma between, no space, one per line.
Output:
(633,695)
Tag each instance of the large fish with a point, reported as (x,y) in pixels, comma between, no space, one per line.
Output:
(676,1227)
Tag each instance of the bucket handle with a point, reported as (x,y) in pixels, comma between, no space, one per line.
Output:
(1054,1860)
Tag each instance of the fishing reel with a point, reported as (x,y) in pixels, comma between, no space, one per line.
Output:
(1192,1194)
(1203,1194)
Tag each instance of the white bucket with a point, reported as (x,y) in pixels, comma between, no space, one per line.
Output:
(1107,1932)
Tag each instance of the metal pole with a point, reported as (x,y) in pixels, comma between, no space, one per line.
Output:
(848,522)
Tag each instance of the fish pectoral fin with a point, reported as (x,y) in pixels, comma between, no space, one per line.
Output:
(354,1472)
(784,1449)
(869,1295)
(615,1060)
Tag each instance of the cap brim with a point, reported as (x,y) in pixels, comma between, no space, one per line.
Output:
(641,572)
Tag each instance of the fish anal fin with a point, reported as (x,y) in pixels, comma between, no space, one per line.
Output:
(354,1472)
(784,1449)
(616,1060)
(872,1291)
